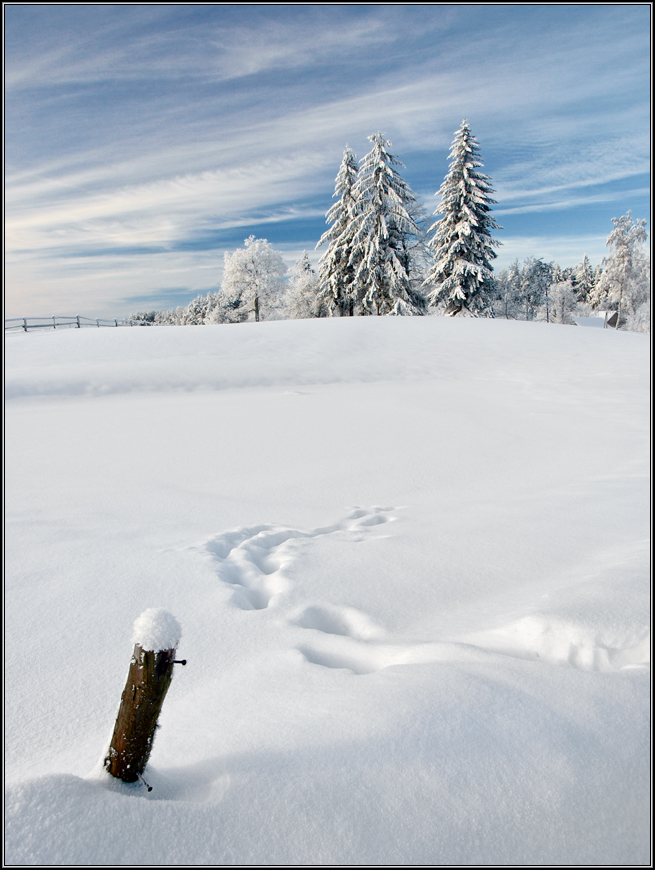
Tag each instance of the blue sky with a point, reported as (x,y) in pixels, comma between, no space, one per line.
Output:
(142,142)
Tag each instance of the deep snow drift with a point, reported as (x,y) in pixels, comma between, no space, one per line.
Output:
(409,557)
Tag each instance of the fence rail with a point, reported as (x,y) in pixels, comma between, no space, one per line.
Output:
(57,322)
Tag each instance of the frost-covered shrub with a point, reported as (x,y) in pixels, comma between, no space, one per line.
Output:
(639,321)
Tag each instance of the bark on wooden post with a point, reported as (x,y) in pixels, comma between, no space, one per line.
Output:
(156,636)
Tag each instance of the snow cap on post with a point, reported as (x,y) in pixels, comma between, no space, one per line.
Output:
(157,629)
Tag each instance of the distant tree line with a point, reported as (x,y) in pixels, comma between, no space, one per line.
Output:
(536,290)
(383,258)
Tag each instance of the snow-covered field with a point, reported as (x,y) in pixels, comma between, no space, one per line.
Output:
(410,560)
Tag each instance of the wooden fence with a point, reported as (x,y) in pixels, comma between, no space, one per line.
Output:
(56,322)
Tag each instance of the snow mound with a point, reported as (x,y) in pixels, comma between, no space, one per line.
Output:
(559,641)
(157,629)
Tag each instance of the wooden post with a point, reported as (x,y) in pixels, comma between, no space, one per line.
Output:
(148,679)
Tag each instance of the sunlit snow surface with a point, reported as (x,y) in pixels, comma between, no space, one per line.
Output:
(410,559)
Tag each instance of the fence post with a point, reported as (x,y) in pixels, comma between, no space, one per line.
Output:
(156,636)
(25,323)
(54,322)
(78,321)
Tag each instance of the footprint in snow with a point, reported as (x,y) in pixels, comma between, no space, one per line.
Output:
(342,621)
(253,559)
(362,657)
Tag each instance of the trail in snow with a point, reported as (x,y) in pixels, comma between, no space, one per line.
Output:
(253,560)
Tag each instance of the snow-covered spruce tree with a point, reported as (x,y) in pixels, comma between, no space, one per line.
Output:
(337,266)
(583,279)
(462,244)
(302,298)
(252,283)
(624,284)
(384,232)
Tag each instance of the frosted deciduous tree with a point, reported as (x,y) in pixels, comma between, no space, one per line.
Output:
(462,243)
(624,284)
(508,284)
(536,278)
(337,266)
(252,282)
(383,230)
(562,302)
(303,299)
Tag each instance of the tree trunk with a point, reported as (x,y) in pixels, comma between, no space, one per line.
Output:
(148,680)
(618,310)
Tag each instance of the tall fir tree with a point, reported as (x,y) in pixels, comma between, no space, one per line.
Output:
(462,243)
(383,227)
(337,266)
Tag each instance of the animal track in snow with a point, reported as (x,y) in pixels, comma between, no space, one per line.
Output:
(344,621)
(253,559)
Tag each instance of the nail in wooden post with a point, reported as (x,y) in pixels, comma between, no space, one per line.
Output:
(156,636)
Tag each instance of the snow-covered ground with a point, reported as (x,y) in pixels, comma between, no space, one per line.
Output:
(410,560)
